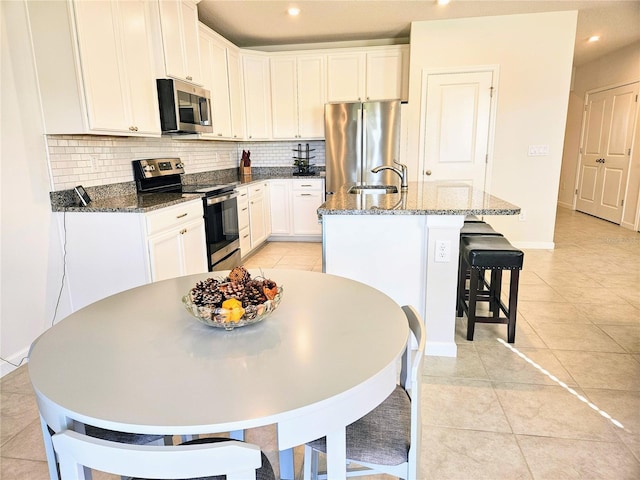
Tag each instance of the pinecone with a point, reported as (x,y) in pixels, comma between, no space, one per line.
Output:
(206,293)
(232,290)
(253,294)
(239,275)
(208,299)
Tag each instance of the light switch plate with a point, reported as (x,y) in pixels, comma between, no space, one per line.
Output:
(538,150)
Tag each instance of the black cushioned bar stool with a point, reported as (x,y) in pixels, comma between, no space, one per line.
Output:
(471,229)
(494,253)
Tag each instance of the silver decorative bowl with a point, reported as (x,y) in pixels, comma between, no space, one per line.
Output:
(224,318)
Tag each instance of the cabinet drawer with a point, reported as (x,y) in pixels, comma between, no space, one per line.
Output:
(243,195)
(166,218)
(309,184)
(256,190)
(243,215)
(245,241)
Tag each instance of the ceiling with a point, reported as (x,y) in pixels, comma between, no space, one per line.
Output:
(264,23)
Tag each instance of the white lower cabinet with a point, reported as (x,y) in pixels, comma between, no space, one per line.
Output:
(257,220)
(243,220)
(253,215)
(294,205)
(108,252)
(178,251)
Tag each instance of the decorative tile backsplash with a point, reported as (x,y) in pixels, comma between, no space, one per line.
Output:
(100,160)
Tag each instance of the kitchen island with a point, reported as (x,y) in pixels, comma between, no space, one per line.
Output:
(406,245)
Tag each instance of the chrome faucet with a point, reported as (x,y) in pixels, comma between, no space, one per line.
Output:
(404,186)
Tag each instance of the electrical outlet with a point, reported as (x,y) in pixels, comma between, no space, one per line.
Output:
(443,251)
(523,216)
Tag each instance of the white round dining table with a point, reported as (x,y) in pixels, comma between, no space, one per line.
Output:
(139,362)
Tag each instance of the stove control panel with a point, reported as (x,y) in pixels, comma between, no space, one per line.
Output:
(157,167)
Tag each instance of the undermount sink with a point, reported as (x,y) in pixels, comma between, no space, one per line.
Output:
(373,189)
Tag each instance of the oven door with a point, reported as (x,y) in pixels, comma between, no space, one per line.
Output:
(221,224)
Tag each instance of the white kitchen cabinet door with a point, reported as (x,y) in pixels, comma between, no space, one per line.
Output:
(384,79)
(180,40)
(312,87)
(235,93)
(307,196)
(95,67)
(178,252)
(298,85)
(257,226)
(215,78)
(284,97)
(138,66)
(305,213)
(192,238)
(346,77)
(256,215)
(117,68)
(104,80)
(266,208)
(280,194)
(257,96)
(163,255)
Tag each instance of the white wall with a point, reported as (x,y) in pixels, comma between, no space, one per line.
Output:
(617,68)
(31,260)
(534,53)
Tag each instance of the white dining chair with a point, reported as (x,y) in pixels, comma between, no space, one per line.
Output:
(200,458)
(387,439)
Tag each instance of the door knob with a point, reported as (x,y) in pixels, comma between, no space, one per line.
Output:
(428,172)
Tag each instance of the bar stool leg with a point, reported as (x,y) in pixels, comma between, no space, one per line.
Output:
(513,305)
(496,292)
(462,281)
(473,293)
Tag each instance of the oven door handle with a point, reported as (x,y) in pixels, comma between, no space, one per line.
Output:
(221,198)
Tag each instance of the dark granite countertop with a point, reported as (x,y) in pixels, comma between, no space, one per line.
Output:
(123,198)
(428,198)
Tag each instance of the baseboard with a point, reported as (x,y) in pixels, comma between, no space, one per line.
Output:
(535,245)
(6,368)
(565,205)
(308,238)
(628,225)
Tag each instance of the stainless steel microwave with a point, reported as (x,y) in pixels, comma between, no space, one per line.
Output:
(184,108)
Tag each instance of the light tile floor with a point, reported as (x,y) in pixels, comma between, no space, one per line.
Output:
(542,412)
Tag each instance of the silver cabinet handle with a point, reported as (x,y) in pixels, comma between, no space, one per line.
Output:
(428,172)
(183,215)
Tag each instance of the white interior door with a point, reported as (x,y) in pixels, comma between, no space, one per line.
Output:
(606,145)
(456,126)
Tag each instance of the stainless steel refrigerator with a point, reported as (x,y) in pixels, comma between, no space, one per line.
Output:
(358,137)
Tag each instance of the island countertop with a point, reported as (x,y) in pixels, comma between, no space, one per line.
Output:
(422,198)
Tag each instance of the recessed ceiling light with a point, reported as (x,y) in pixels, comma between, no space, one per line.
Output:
(442,2)
(293,11)
(594,38)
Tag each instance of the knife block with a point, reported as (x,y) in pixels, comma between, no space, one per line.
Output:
(245,171)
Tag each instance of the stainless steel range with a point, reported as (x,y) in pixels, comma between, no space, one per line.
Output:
(162,175)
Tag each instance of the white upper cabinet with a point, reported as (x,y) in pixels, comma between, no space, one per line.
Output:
(235,93)
(298,96)
(180,40)
(215,74)
(257,96)
(95,67)
(372,73)
(346,76)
